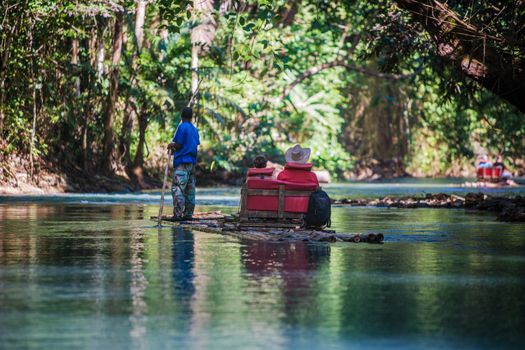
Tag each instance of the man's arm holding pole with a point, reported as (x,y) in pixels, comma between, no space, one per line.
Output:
(173,146)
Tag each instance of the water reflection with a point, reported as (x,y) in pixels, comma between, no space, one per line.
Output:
(291,263)
(89,276)
(137,289)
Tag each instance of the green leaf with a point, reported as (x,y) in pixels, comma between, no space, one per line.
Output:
(249,27)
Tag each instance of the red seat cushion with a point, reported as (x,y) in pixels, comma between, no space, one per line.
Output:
(296,204)
(261,184)
(298,173)
(270,184)
(299,166)
(265,203)
(496,172)
(260,171)
(480,173)
(293,204)
(297,186)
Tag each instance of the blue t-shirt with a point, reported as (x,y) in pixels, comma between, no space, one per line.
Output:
(187,136)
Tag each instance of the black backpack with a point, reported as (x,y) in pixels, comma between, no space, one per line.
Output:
(319,210)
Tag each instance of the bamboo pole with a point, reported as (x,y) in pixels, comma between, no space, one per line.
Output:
(162,191)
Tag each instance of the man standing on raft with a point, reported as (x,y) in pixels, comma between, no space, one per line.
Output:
(184,145)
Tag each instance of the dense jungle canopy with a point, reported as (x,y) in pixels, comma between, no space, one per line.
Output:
(375,88)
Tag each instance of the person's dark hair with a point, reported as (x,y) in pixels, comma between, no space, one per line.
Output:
(186,113)
(259,161)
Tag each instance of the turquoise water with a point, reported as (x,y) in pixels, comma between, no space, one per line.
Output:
(88,271)
(229,196)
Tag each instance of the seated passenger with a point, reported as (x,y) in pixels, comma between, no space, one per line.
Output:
(499,163)
(297,169)
(483,162)
(259,170)
(259,162)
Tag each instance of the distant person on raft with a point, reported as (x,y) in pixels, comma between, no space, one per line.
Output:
(484,161)
(184,147)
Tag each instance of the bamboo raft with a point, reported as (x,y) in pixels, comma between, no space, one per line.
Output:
(267,229)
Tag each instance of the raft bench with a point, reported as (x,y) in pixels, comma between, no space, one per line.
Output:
(492,174)
(263,197)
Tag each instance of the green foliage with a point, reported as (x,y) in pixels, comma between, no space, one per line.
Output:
(430,122)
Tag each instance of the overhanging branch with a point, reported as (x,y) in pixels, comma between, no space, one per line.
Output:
(342,63)
(484,58)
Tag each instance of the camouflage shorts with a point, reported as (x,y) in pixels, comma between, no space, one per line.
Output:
(183,190)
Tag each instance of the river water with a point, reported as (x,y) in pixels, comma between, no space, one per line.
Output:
(91,271)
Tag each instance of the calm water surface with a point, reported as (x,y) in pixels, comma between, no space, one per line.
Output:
(88,271)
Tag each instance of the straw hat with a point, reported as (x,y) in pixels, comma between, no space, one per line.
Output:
(297,154)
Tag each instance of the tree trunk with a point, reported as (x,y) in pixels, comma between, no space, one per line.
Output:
(33,83)
(109,115)
(87,114)
(4,59)
(140,15)
(202,36)
(33,127)
(125,133)
(87,117)
(91,45)
(92,48)
(101,50)
(138,168)
(289,13)
(470,50)
(129,111)
(143,125)
(194,74)
(163,41)
(74,63)
(2,98)
(77,113)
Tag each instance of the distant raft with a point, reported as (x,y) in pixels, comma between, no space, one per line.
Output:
(267,230)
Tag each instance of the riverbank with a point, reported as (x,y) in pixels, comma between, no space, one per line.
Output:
(507,208)
(15,179)
(47,182)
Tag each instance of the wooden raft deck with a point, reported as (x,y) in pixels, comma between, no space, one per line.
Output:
(216,222)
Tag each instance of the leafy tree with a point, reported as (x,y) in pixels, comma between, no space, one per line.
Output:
(92,88)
